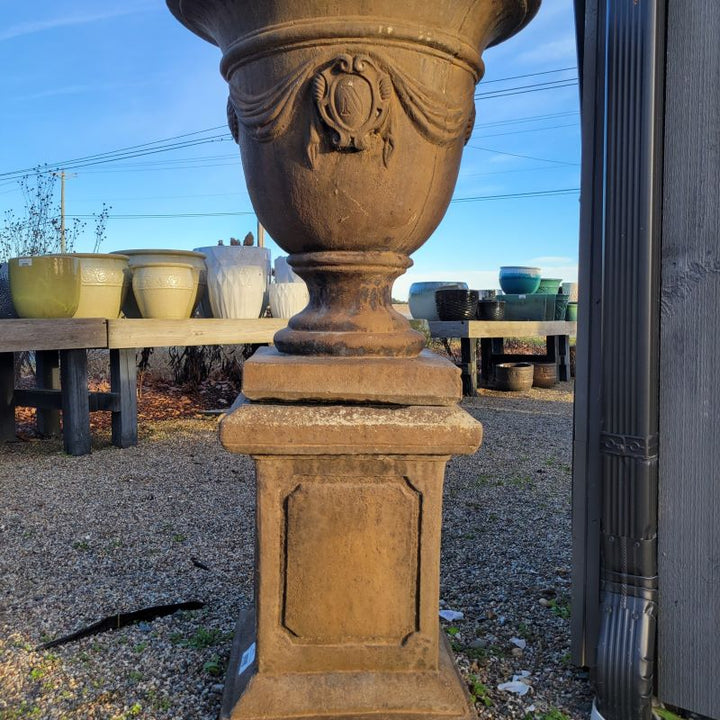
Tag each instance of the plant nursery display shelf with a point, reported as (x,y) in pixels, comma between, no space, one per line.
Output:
(61,347)
(491,334)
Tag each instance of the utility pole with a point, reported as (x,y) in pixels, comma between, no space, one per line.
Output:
(62,175)
(62,211)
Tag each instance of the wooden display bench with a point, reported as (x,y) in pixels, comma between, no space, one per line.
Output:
(491,334)
(61,347)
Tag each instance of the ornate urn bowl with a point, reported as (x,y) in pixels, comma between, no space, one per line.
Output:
(351,119)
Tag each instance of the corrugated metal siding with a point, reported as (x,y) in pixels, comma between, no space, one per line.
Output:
(689,520)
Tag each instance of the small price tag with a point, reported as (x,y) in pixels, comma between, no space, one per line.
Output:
(25,262)
(246,660)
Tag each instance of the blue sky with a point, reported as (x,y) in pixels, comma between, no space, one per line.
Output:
(83,78)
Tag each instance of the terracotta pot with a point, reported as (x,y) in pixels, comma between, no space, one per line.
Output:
(165,290)
(288,299)
(102,284)
(141,256)
(351,120)
(45,286)
(514,376)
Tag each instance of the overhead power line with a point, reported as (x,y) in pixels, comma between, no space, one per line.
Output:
(515,196)
(109,153)
(165,216)
(524,89)
(191,139)
(527,75)
(476,198)
(524,157)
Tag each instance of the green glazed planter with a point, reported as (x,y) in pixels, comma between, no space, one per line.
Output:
(46,286)
(571,313)
(549,285)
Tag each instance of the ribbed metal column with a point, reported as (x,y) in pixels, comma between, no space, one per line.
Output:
(625,662)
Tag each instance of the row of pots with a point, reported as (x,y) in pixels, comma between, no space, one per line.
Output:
(218,281)
(454,301)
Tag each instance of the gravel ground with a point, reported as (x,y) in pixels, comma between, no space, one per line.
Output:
(171,520)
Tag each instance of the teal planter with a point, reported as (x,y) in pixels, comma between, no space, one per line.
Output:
(529,307)
(516,279)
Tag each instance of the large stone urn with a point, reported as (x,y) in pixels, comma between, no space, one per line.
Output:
(351,119)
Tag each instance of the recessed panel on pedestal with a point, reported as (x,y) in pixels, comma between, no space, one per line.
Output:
(351,561)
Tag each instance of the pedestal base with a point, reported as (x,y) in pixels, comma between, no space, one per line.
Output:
(424,380)
(370,695)
(349,513)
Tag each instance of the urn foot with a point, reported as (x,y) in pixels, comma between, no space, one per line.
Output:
(350,311)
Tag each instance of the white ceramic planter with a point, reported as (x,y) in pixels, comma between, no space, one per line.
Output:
(224,283)
(165,291)
(236,291)
(102,282)
(288,298)
(284,273)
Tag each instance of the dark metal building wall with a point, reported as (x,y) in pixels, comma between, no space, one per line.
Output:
(689,499)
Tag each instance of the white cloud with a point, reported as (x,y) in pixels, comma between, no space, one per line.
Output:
(35,26)
(550,260)
(563,50)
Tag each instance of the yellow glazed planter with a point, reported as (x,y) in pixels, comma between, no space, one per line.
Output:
(164,290)
(101,285)
(141,256)
(46,286)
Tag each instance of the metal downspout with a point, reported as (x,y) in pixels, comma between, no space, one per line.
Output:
(626,647)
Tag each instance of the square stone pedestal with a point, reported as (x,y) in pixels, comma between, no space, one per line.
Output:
(349,509)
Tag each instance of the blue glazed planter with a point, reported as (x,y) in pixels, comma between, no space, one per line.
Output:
(519,280)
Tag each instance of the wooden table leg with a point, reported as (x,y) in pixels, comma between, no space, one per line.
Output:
(468,356)
(75,402)
(557,352)
(486,360)
(489,348)
(123,381)
(47,376)
(564,357)
(7,396)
